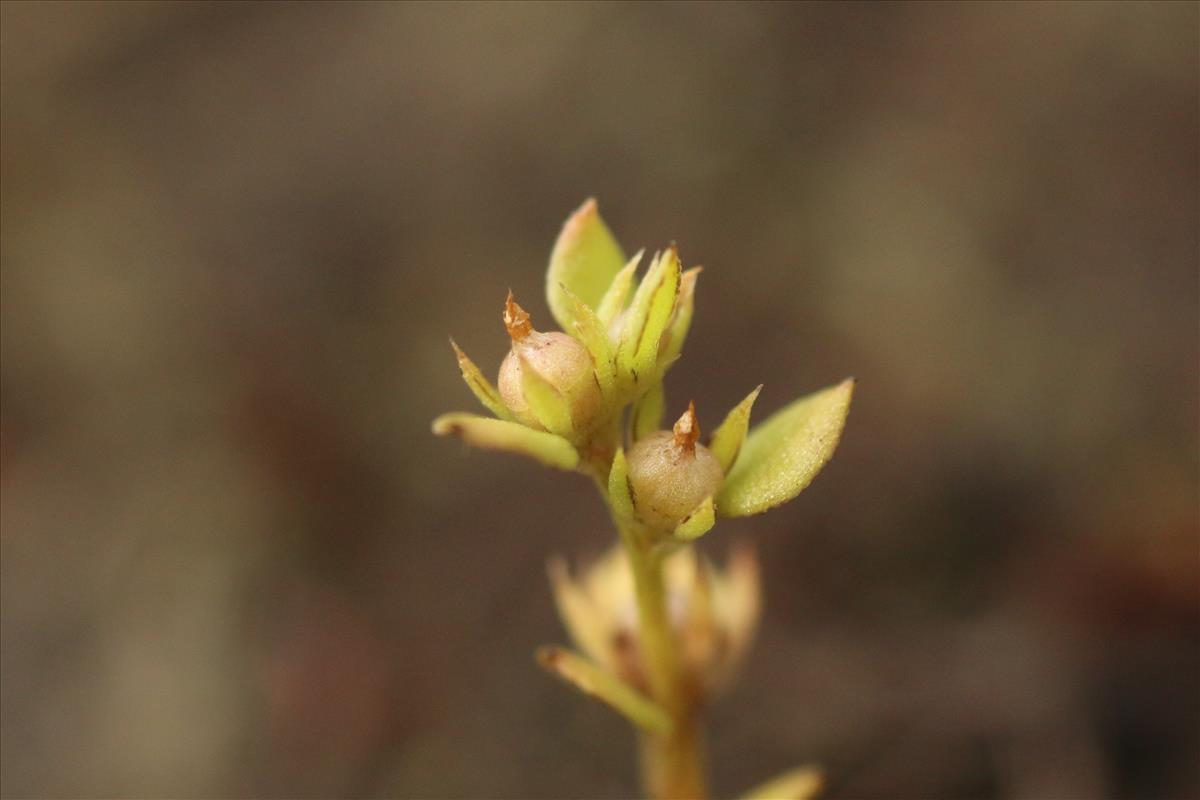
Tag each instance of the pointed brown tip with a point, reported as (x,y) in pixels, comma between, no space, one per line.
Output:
(516,319)
(687,428)
(549,656)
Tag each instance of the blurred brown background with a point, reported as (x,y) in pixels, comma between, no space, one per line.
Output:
(236,237)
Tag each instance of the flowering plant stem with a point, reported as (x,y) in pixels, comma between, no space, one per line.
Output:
(589,399)
(672,762)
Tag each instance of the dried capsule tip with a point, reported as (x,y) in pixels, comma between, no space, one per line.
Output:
(516,319)
(687,428)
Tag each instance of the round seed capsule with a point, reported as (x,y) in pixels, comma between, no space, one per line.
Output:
(671,473)
(559,360)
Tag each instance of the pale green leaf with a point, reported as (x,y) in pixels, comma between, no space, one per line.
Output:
(662,306)
(727,439)
(647,318)
(613,302)
(498,434)
(480,385)
(584,259)
(781,456)
(681,319)
(697,523)
(647,413)
(629,323)
(620,496)
(591,331)
(596,682)
(804,783)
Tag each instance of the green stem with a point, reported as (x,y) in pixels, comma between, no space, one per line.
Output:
(672,763)
(656,639)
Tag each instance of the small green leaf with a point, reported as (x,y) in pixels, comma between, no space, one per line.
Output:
(585,259)
(681,319)
(727,439)
(662,306)
(592,332)
(480,385)
(497,434)
(782,455)
(613,302)
(631,322)
(697,523)
(804,783)
(605,687)
(620,496)
(647,413)
(552,410)
(647,318)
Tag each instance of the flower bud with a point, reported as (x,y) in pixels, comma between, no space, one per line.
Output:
(713,613)
(671,473)
(557,362)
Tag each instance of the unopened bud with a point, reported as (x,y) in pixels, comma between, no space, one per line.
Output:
(671,473)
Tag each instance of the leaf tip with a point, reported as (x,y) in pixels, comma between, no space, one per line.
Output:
(847,388)
(548,656)
(587,211)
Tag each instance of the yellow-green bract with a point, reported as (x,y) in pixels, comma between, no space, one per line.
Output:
(782,455)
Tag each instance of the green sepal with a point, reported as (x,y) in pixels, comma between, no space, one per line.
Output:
(697,523)
(647,318)
(592,333)
(480,386)
(681,319)
(498,434)
(727,439)
(613,302)
(647,412)
(594,681)
(584,259)
(620,496)
(551,408)
(782,455)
